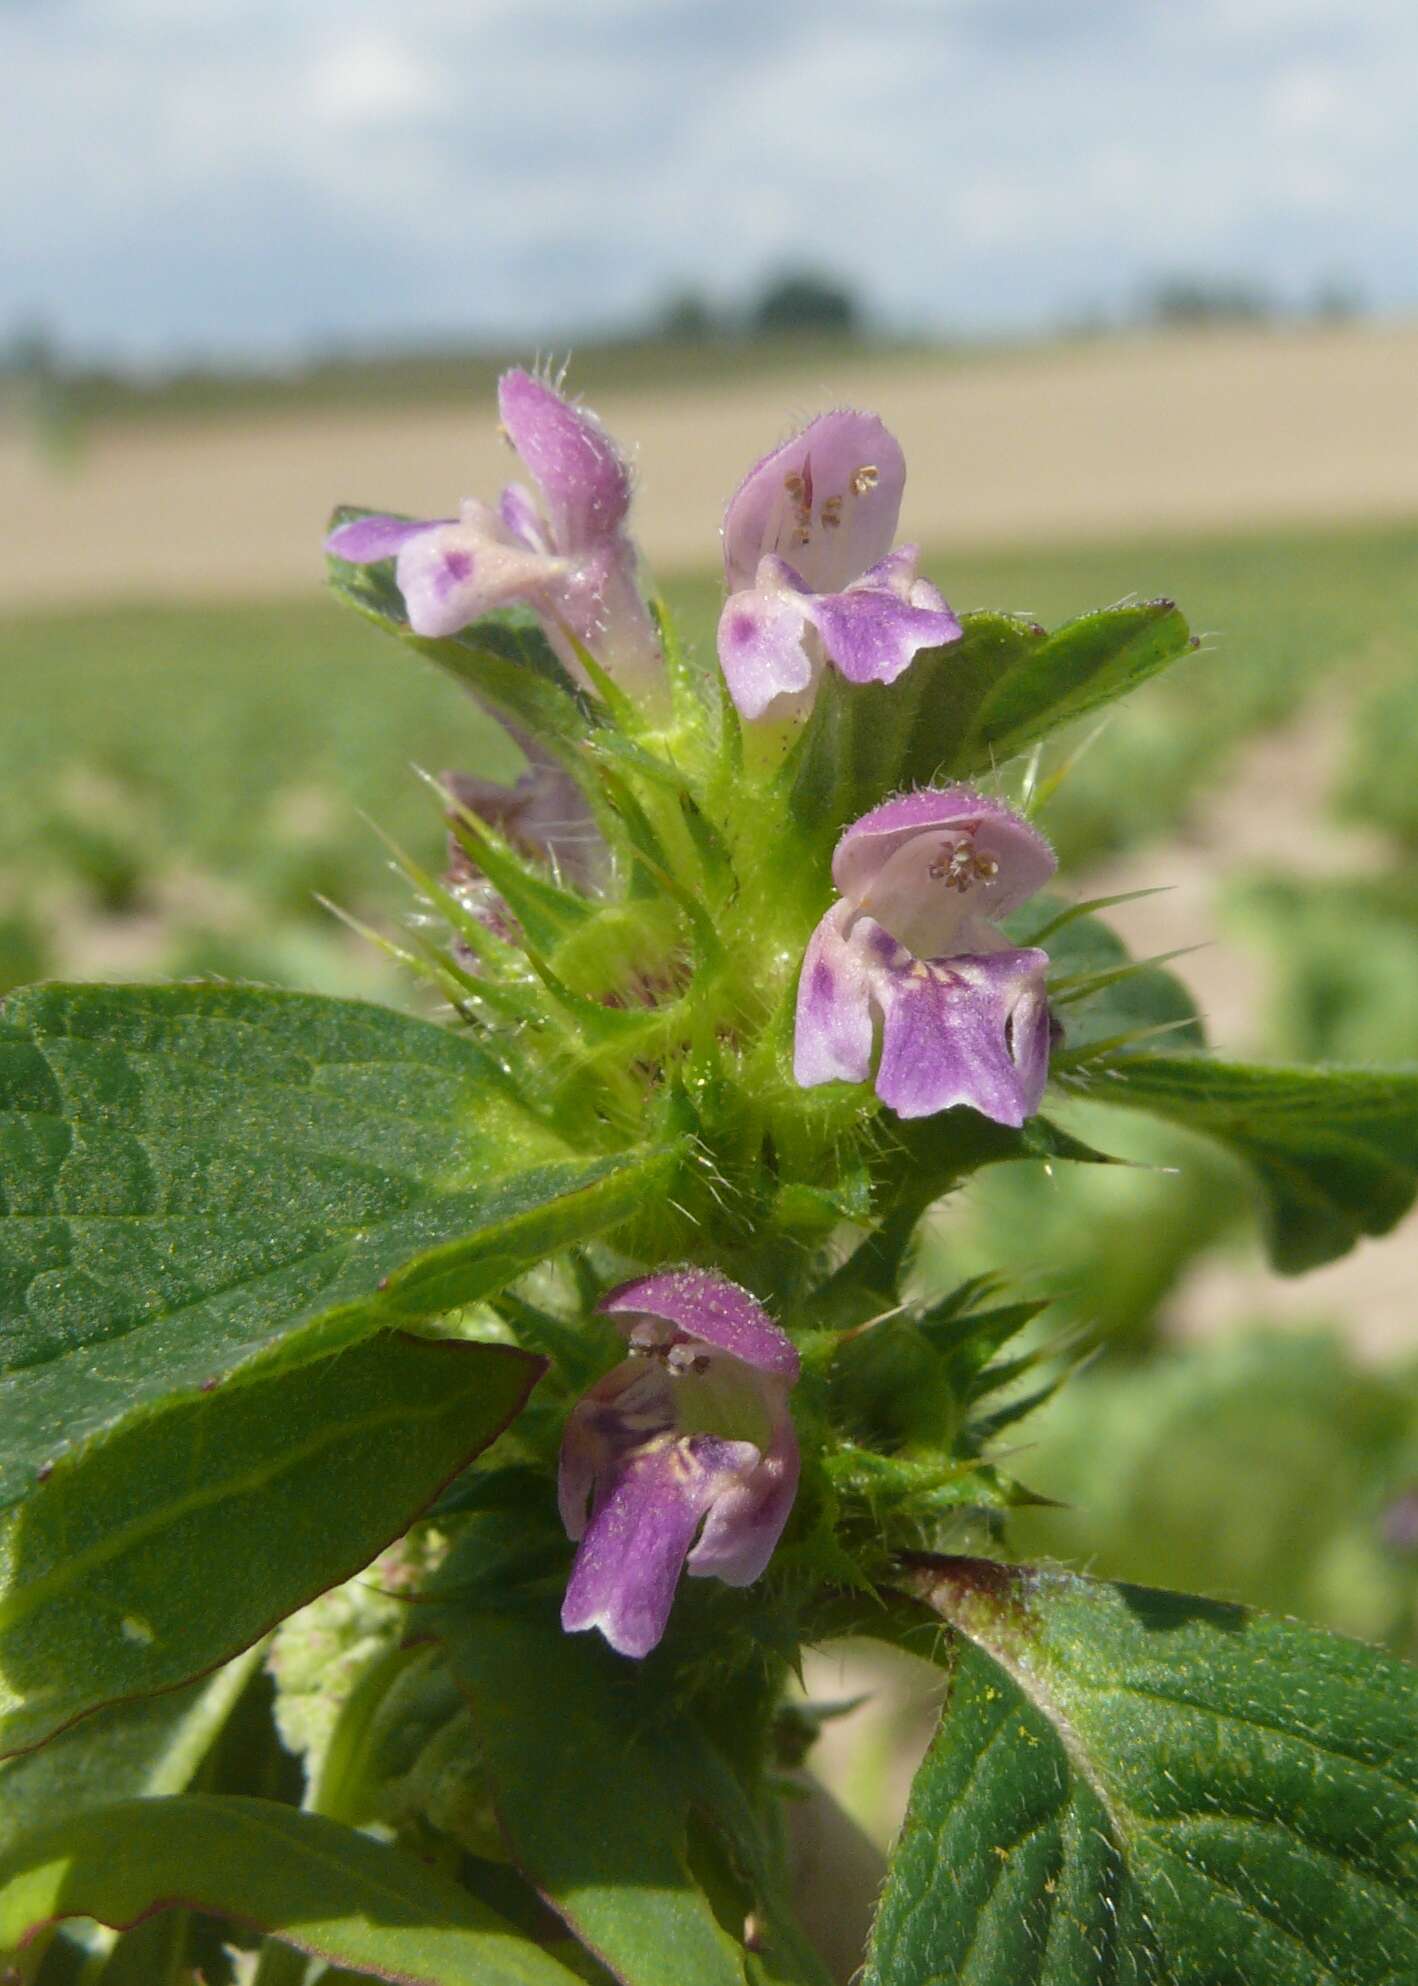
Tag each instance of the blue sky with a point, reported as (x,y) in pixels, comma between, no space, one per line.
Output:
(186,177)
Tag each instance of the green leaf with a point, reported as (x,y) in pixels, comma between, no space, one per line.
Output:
(1109,996)
(591,1767)
(310,1882)
(157,1553)
(1137,1786)
(505,659)
(153,1746)
(202,1180)
(1090,661)
(866,740)
(959,712)
(1335,1150)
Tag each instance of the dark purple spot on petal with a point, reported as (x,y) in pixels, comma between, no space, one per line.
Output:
(454,569)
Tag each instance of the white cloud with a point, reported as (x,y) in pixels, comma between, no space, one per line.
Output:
(1305,100)
(371,80)
(258,172)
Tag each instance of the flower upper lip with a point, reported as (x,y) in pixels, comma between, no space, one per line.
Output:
(826,501)
(812,574)
(707,1305)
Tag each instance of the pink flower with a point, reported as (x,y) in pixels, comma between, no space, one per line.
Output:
(912,950)
(561,548)
(682,1458)
(811,572)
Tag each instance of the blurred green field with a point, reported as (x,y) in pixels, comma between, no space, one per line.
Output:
(183,781)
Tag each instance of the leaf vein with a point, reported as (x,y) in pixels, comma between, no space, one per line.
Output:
(1151,1823)
(1252,1908)
(1096,1687)
(114,1543)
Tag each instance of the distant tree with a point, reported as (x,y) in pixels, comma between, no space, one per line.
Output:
(36,384)
(1336,302)
(801,300)
(689,319)
(30,352)
(1191,300)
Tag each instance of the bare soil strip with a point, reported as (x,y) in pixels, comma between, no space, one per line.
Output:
(1089,441)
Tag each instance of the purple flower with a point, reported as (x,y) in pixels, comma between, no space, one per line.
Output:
(689,1437)
(543,814)
(811,573)
(562,549)
(912,949)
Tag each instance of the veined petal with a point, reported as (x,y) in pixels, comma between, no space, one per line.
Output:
(583,478)
(872,633)
(761,650)
(746,1521)
(832,1038)
(827,500)
(706,1305)
(630,1558)
(887,858)
(965,1030)
(365,540)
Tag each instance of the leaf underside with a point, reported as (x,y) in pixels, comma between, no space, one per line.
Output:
(324,1888)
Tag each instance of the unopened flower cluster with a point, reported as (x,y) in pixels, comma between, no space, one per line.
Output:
(683,1457)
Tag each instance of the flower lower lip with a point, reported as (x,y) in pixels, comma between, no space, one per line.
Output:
(665,1493)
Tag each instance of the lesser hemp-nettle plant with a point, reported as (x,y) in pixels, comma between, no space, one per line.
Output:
(430,1444)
